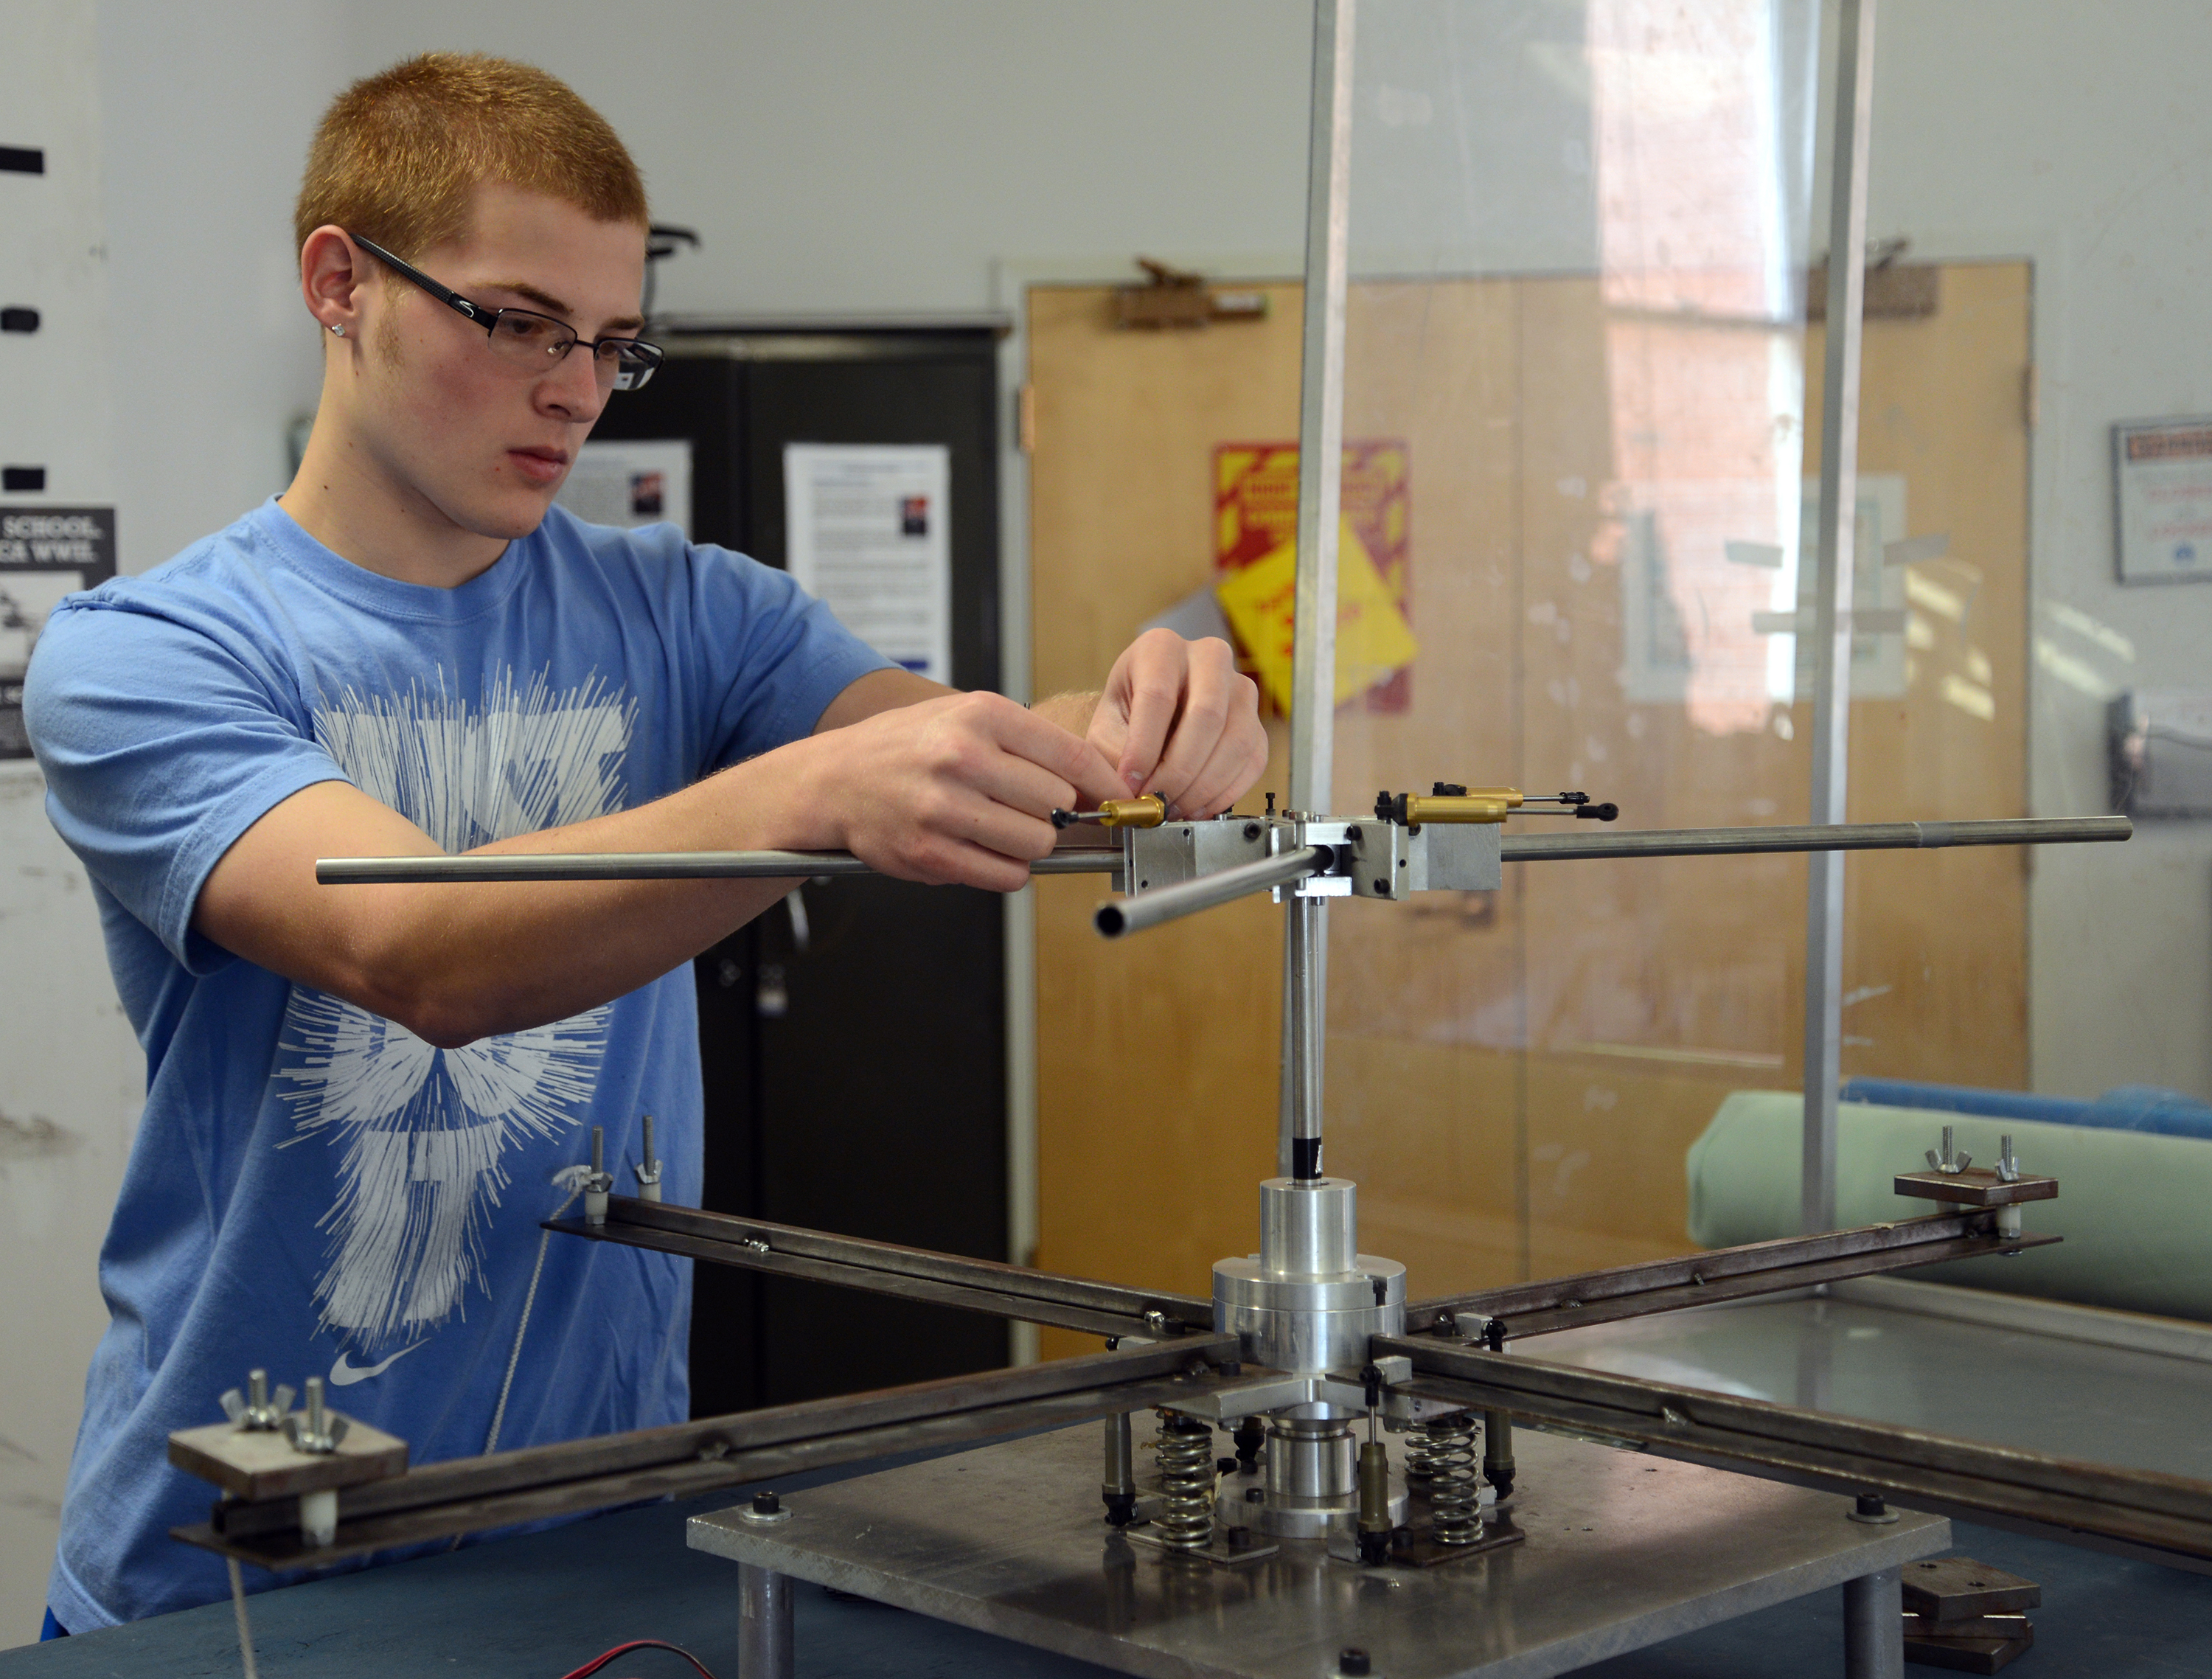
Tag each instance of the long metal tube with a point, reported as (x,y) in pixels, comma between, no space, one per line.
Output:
(1133,914)
(1305,1037)
(1321,405)
(1825,836)
(1831,607)
(1148,907)
(645,866)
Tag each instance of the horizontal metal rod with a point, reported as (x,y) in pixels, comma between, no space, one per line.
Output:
(1219,888)
(1920,1470)
(1133,914)
(1833,837)
(470,1495)
(885,1267)
(1755,1268)
(646,865)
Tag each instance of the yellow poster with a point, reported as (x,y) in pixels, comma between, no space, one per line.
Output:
(1256,521)
(1372,641)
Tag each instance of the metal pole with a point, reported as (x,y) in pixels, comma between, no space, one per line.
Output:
(764,1623)
(1118,915)
(1874,1626)
(511,866)
(1313,663)
(1305,929)
(1832,608)
(1320,408)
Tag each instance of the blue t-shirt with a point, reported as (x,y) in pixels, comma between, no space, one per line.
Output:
(314,1190)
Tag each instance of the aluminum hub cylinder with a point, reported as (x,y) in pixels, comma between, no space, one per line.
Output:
(1308,1301)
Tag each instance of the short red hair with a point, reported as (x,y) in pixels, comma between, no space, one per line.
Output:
(398,156)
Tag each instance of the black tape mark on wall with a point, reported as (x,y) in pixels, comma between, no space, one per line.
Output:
(23,160)
(23,478)
(16,320)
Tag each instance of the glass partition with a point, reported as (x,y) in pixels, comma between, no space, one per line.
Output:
(1575,353)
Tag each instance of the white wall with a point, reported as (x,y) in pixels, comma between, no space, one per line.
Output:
(68,1069)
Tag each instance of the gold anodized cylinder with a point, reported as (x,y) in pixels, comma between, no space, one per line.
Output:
(1147,812)
(1478,804)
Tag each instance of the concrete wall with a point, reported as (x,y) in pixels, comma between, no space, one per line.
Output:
(848,156)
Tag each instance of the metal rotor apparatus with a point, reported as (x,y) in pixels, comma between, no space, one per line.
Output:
(1308,1343)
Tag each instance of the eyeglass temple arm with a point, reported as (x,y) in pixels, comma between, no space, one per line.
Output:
(452,300)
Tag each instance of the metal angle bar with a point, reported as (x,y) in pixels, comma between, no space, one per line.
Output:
(645,866)
(1751,1259)
(919,1289)
(759,1244)
(1832,601)
(2139,1505)
(1816,836)
(1321,405)
(1577,1314)
(1119,916)
(473,1495)
(531,1466)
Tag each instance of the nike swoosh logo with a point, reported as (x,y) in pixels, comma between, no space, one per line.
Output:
(345,1374)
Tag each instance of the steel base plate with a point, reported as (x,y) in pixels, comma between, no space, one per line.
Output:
(1621,1550)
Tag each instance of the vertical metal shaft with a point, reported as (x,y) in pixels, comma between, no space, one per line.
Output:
(1313,665)
(1832,612)
(1321,407)
(1874,1626)
(1305,958)
(764,1623)
(1287,1082)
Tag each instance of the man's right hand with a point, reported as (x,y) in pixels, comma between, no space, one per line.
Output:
(954,789)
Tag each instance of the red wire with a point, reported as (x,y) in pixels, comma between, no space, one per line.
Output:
(598,1662)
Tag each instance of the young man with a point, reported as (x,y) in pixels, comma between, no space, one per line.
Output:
(358,1100)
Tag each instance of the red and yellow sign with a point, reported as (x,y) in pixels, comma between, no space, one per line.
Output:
(1255,502)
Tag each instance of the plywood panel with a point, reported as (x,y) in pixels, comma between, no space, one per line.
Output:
(1157,1057)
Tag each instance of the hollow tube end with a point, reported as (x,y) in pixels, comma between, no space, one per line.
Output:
(1110,921)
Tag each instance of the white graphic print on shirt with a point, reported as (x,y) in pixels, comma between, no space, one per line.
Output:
(424,1131)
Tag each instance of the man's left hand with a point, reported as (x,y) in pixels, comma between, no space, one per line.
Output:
(1178,718)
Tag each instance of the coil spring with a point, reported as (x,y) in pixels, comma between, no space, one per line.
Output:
(1445,1447)
(1186,1458)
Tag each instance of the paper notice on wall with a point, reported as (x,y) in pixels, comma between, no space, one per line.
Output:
(2164,471)
(45,552)
(626,483)
(868,532)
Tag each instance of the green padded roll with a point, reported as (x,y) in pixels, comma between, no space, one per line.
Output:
(2136,1208)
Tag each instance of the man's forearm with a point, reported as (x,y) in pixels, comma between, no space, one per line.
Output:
(458,962)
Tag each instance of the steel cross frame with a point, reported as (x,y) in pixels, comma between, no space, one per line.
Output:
(885,1268)
(471,1495)
(2166,1515)
(1193,1370)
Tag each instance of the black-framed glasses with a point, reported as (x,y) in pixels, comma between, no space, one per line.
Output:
(533,342)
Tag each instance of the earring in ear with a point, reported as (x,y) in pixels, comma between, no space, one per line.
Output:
(338,328)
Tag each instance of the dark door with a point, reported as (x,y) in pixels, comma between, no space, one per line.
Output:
(854,1052)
